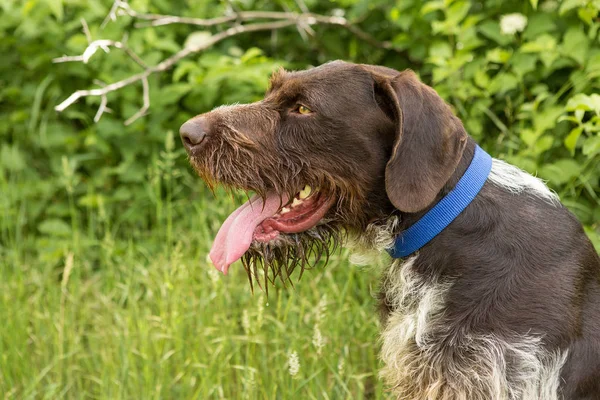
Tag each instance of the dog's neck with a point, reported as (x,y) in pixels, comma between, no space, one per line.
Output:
(409,219)
(447,209)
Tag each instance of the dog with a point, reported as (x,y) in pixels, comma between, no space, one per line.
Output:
(498,298)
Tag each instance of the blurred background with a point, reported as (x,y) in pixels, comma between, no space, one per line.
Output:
(105,291)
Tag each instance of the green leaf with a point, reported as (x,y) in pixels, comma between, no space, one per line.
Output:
(522,161)
(587,14)
(576,45)
(491,30)
(498,55)
(581,80)
(56,7)
(569,5)
(593,64)
(440,74)
(584,102)
(162,42)
(54,227)
(568,118)
(539,24)
(405,21)
(481,78)
(454,16)
(184,68)
(468,39)
(581,209)
(432,6)
(503,82)
(543,144)
(534,4)
(440,49)
(543,43)
(561,171)
(546,119)
(91,200)
(523,63)
(457,12)
(402,41)
(528,137)
(591,146)
(172,93)
(571,139)
(251,53)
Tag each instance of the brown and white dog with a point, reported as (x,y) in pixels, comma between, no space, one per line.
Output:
(504,303)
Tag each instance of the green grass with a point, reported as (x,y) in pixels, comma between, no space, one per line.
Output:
(92,314)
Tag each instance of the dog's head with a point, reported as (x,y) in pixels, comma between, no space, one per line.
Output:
(327,151)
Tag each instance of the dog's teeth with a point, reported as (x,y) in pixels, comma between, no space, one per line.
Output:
(296,202)
(305,192)
(284,210)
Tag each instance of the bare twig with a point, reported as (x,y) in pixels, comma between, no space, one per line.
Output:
(101,109)
(144,109)
(302,6)
(104,45)
(158,19)
(89,51)
(169,62)
(112,14)
(307,19)
(269,21)
(86,30)
(103,103)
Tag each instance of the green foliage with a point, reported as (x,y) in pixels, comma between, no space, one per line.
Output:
(122,199)
(528,95)
(524,94)
(144,326)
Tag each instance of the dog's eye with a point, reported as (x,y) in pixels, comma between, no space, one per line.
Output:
(300,109)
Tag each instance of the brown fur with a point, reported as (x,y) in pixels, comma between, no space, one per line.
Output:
(503,304)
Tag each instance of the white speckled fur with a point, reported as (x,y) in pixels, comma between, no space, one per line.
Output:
(516,181)
(426,358)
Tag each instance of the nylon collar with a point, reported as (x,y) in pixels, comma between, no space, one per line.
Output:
(444,212)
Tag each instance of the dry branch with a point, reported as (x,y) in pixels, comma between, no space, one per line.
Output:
(274,21)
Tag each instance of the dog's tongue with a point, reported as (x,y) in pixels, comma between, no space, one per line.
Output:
(235,236)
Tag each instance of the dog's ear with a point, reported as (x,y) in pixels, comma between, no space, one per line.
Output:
(429,141)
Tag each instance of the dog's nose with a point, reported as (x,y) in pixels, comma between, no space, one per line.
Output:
(193,133)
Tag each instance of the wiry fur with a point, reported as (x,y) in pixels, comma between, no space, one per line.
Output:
(267,148)
(278,259)
(425,358)
(501,305)
(517,181)
(239,158)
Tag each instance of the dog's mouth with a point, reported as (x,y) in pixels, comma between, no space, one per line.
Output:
(264,219)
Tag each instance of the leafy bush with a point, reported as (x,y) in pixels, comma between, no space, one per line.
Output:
(526,93)
(116,211)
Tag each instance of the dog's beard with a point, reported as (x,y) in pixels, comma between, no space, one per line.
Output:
(276,260)
(234,166)
(266,263)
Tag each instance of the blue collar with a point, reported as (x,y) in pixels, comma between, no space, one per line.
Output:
(444,212)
